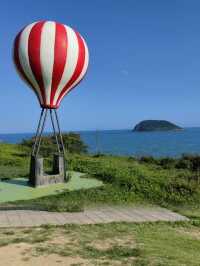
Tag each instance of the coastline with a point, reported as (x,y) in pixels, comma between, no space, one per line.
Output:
(127,143)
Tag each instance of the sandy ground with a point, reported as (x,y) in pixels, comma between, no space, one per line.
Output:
(58,246)
(20,255)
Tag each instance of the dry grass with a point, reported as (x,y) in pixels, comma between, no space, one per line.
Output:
(106,244)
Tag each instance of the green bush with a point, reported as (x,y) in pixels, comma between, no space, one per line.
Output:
(183,164)
(12,155)
(160,185)
(72,143)
(167,162)
(148,159)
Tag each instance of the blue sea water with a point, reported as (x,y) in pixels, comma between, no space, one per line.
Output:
(126,142)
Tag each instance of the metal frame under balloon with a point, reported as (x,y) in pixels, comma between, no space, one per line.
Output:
(37,175)
(56,130)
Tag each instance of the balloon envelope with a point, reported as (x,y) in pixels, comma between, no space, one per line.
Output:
(52,58)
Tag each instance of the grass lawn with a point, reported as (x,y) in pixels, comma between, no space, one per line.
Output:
(156,244)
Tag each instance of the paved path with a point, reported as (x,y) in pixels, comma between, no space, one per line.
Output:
(28,218)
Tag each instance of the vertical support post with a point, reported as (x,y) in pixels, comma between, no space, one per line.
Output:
(41,131)
(59,131)
(62,159)
(37,175)
(52,121)
(37,132)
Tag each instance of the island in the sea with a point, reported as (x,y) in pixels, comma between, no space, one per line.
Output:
(155,125)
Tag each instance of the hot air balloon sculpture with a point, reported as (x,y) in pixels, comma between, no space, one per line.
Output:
(52,59)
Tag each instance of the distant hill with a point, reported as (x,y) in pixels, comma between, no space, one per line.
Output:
(155,125)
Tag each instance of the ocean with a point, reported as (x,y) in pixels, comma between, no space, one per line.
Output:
(126,142)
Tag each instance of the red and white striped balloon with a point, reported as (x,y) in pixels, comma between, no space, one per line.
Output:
(52,58)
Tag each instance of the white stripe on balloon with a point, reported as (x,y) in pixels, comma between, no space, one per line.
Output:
(47,56)
(85,66)
(24,58)
(71,61)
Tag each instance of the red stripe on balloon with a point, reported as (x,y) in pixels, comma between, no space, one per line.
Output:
(34,43)
(17,62)
(16,59)
(78,69)
(60,56)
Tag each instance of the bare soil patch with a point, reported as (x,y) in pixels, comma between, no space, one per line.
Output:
(105,244)
(194,233)
(21,255)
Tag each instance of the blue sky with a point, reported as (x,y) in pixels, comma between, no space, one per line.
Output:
(144,63)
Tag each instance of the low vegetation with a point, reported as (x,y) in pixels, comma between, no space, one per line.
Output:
(107,244)
(152,182)
(173,183)
(14,161)
(14,158)
(166,181)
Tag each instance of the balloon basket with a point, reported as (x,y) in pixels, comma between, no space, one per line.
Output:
(37,176)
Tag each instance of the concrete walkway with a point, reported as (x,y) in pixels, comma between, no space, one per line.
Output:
(28,218)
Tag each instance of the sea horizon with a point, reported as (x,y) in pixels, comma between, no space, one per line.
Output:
(89,130)
(125,142)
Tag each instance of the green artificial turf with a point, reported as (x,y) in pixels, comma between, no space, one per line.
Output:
(18,188)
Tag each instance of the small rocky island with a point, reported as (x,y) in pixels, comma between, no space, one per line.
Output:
(155,125)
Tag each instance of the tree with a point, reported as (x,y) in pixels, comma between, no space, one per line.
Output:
(72,143)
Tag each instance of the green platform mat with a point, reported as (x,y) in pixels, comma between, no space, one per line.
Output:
(18,188)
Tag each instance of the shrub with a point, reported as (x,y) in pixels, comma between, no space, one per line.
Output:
(183,164)
(160,185)
(72,143)
(167,162)
(148,159)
